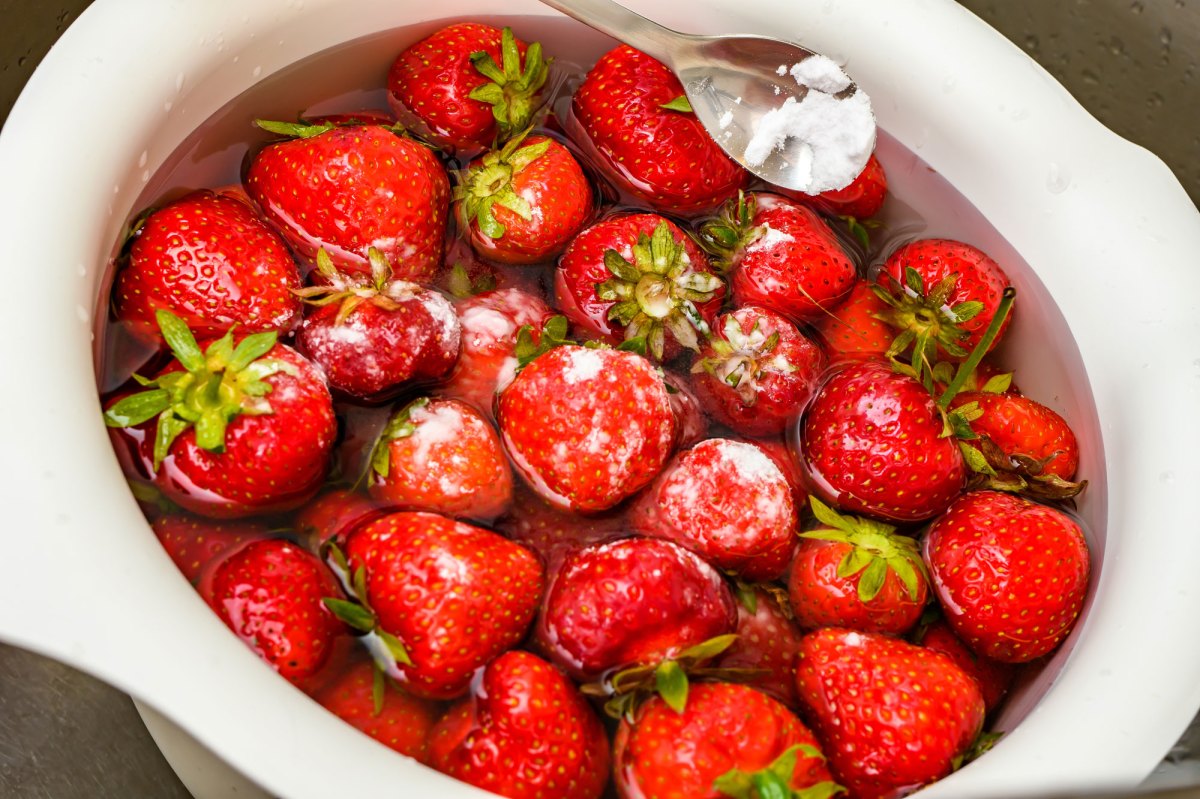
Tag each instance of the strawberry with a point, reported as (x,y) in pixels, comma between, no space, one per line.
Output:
(892,716)
(442,597)
(779,451)
(691,423)
(241,428)
(193,542)
(1011,574)
(780,255)
(211,261)
(467,84)
(862,199)
(855,330)
(586,428)
(441,455)
(728,502)
(331,515)
(638,276)
(373,336)
(873,443)
(943,295)
(730,741)
(487,362)
(270,593)
(857,573)
(768,641)
(552,532)
(346,189)
(633,602)
(1031,449)
(523,203)
(524,732)
(992,676)
(632,115)
(756,372)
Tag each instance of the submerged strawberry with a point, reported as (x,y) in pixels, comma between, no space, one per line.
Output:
(467,84)
(856,329)
(346,189)
(239,428)
(210,260)
(632,111)
(768,643)
(525,732)
(862,199)
(553,533)
(992,676)
(331,515)
(193,542)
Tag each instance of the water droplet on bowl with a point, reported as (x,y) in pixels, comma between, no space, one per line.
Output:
(1057,179)
(179,82)
(143,158)
(84,314)
(949,83)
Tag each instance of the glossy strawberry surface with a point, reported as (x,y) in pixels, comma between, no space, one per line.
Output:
(1021,426)
(768,641)
(993,677)
(193,542)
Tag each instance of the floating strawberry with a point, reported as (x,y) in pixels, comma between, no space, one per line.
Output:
(638,276)
(992,676)
(240,428)
(521,204)
(366,698)
(892,716)
(210,260)
(442,597)
(525,732)
(727,501)
(781,255)
(873,442)
(552,532)
(346,189)
(373,336)
(862,199)
(487,362)
(441,455)
(332,514)
(271,593)
(1011,574)
(857,573)
(756,372)
(467,84)
(632,112)
(634,602)
(586,428)
(768,642)
(193,542)
(730,741)
(855,330)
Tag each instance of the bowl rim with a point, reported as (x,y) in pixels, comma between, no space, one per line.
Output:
(1083,179)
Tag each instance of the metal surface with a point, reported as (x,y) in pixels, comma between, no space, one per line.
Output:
(1133,63)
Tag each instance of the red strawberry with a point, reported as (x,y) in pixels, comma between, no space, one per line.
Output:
(638,276)
(855,330)
(778,450)
(271,594)
(637,601)
(523,203)
(892,716)
(857,573)
(193,542)
(992,676)
(241,429)
(756,372)
(862,199)
(346,189)
(767,640)
(487,362)
(780,255)
(373,336)
(1011,574)
(364,697)
(873,442)
(691,423)
(631,112)
(212,262)
(466,84)
(525,732)
(331,515)
(943,294)
(727,501)
(552,532)
(730,740)
(443,596)
(587,428)
(441,455)
(1030,447)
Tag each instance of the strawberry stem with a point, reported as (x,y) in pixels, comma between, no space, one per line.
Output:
(985,342)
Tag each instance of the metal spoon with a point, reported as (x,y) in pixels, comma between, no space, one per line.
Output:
(733,83)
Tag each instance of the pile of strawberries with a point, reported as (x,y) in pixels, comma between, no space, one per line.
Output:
(556,453)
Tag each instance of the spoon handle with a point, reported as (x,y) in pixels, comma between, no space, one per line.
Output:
(622,24)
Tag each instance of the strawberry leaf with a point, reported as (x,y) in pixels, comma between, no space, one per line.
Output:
(395,648)
(378,687)
(181,341)
(671,683)
(137,408)
(352,613)
(680,103)
(872,579)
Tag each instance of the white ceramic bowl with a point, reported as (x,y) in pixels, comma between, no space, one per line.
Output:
(1077,214)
